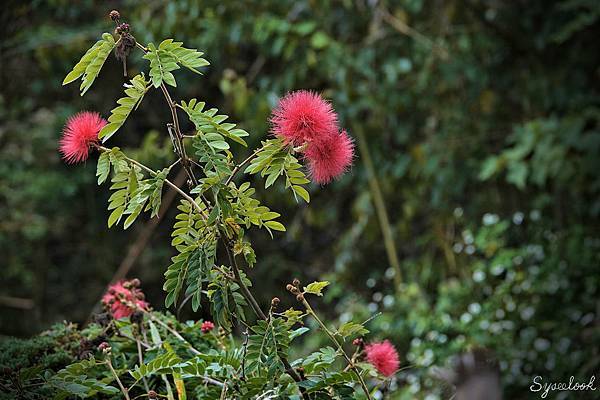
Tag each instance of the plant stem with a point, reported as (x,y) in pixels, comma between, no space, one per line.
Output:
(243,163)
(236,271)
(173,331)
(312,312)
(185,161)
(168,182)
(123,390)
(141,360)
(259,313)
(191,348)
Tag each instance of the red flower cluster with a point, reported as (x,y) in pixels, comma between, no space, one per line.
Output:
(384,357)
(304,118)
(123,298)
(80,132)
(207,326)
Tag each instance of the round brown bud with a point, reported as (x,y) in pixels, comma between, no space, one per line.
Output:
(300,297)
(122,28)
(114,15)
(275,302)
(296,282)
(152,394)
(104,347)
(135,282)
(289,287)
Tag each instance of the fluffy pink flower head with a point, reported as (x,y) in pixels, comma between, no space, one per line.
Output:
(329,158)
(303,116)
(383,356)
(207,326)
(123,298)
(79,133)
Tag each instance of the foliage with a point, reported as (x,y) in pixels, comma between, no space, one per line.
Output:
(204,222)
(437,110)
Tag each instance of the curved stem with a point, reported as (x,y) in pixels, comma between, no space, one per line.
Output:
(173,331)
(112,370)
(243,163)
(259,313)
(351,364)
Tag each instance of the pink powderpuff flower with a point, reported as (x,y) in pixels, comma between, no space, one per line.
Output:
(303,116)
(207,326)
(383,356)
(123,298)
(80,132)
(330,158)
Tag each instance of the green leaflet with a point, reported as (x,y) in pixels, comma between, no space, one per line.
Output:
(132,194)
(168,57)
(210,122)
(91,63)
(225,300)
(73,380)
(268,341)
(162,364)
(135,91)
(349,330)
(275,159)
(316,288)
(249,210)
(196,244)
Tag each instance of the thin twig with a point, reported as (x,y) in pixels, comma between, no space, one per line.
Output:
(351,363)
(123,390)
(246,337)
(246,293)
(174,332)
(243,163)
(141,360)
(259,313)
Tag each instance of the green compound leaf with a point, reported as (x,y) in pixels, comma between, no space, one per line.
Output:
(275,159)
(103,168)
(91,63)
(135,91)
(352,329)
(210,122)
(169,56)
(161,65)
(316,288)
(189,58)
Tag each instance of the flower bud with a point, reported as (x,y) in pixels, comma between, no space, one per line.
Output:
(104,347)
(300,297)
(296,282)
(114,15)
(207,326)
(275,302)
(152,394)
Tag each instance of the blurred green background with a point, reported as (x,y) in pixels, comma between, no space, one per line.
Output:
(469,220)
